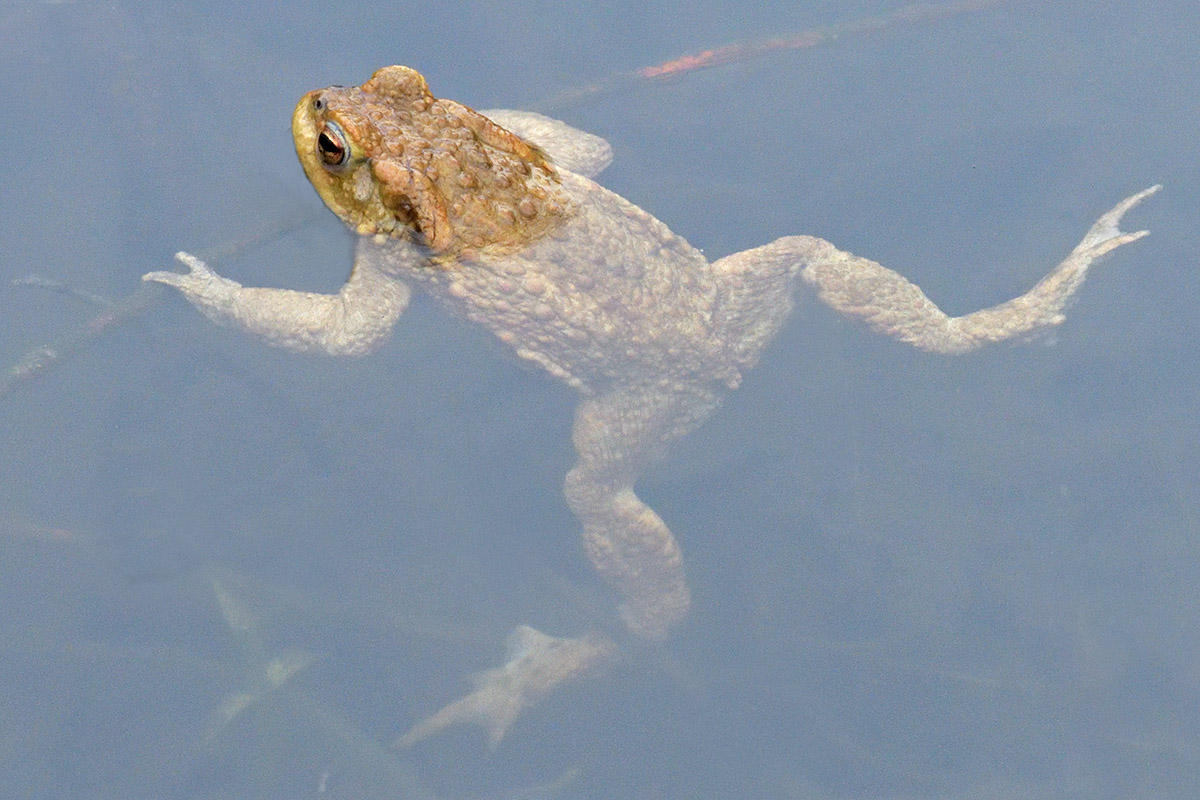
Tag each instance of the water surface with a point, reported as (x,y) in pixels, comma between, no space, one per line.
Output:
(914,576)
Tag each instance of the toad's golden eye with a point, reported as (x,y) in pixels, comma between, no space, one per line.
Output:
(332,147)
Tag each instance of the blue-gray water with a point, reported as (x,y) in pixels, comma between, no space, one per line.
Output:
(914,576)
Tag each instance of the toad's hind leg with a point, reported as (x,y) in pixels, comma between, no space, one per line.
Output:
(890,304)
(616,436)
(751,307)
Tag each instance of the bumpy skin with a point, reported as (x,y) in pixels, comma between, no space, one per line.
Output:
(496,215)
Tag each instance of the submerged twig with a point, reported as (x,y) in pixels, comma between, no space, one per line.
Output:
(39,282)
(42,358)
(37,361)
(745,51)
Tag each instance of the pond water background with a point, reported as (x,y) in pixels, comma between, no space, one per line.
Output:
(914,576)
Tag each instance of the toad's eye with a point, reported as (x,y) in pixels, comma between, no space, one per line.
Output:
(333,147)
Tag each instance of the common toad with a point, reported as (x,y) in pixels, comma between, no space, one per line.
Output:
(496,214)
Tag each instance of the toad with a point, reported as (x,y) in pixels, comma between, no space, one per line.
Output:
(496,214)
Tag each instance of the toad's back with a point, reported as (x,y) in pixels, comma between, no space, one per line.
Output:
(570,275)
(610,295)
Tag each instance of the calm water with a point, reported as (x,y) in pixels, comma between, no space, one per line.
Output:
(914,576)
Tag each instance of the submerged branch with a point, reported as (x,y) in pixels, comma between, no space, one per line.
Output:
(746,51)
(114,313)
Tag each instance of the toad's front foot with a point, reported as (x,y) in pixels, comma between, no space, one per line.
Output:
(198,282)
(536,665)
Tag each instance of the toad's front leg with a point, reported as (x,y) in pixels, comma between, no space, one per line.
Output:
(352,322)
